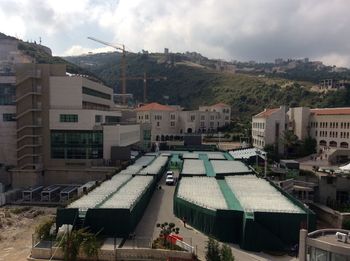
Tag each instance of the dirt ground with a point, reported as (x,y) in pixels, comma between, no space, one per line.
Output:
(17,224)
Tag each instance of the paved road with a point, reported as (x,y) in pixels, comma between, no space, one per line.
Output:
(160,209)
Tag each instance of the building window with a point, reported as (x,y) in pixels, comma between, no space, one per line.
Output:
(202,124)
(146,117)
(157,123)
(172,123)
(7,94)
(172,116)
(68,117)
(76,144)
(158,117)
(192,118)
(98,118)
(202,117)
(112,119)
(9,117)
(212,117)
(95,93)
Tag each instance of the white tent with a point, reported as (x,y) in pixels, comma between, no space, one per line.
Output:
(346,167)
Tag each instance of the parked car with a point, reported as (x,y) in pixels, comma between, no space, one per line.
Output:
(170,179)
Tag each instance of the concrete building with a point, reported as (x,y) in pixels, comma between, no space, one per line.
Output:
(7,121)
(329,126)
(325,245)
(268,127)
(65,125)
(165,122)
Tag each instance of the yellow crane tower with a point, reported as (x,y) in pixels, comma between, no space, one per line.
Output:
(145,78)
(120,47)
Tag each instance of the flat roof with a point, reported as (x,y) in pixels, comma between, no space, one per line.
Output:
(193,167)
(258,195)
(202,191)
(229,167)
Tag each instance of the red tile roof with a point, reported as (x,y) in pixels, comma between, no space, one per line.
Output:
(331,111)
(220,104)
(266,113)
(154,106)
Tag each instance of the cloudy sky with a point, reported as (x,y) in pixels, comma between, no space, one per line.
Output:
(243,30)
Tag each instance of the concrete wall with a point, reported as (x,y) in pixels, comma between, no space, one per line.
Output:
(299,118)
(119,135)
(65,92)
(86,119)
(111,255)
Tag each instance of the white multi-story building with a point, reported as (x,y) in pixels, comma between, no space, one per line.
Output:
(268,127)
(330,127)
(169,121)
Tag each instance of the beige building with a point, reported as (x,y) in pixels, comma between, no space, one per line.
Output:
(268,127)
(167,122)
(65,126)
(324,244)
(330,127)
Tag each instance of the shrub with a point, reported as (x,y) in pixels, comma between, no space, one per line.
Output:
(212,250)
(43,229)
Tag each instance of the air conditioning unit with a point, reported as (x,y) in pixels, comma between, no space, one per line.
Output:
(341,237)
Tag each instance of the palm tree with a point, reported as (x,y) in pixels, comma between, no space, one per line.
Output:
(289,140)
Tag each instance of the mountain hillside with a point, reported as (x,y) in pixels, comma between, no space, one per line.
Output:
(191,85)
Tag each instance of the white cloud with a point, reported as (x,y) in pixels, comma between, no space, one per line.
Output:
(78,50)
(229,29)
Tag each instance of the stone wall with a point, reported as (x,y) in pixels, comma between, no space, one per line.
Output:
(110,255)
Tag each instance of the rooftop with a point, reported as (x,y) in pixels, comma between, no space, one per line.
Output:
(266,113)
(331,111)
(154,106)
(220,105)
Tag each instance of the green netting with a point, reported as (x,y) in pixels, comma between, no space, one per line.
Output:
(230,198)
(66,216)
(257,238)
(225,225)
(228,225)
(201,218)
(285,226)
(208,167)
(228,156)
(108,222)
(310,215)
(175,161)
(118,222)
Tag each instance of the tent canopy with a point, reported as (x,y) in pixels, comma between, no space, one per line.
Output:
(346,167)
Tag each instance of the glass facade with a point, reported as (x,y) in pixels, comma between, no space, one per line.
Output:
(68,118)
(9,117)
(316,254)
(112,119)
(7,94)
(76,144)
(95,93)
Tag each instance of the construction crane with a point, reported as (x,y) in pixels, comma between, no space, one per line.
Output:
(121,47)
(145,78)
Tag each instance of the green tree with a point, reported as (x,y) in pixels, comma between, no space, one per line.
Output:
(212,250)
(289,141)
(226,253)
(75,240)
(166,229)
